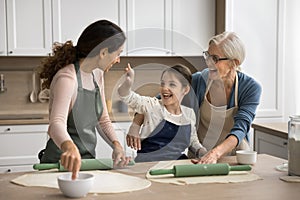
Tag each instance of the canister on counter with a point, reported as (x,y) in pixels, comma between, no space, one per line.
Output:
(294,146)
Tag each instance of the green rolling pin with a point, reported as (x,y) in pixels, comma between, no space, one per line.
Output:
(86,164)
(200,169)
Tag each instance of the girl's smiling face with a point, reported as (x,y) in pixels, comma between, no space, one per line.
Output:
(171,89)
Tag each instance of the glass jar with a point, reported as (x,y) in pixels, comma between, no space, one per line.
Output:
(294,146)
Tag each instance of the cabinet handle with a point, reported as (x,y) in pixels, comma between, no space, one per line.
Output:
(10,52)
(8,129)
(285,143)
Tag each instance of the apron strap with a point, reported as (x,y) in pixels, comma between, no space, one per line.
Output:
(235,89)
(78,74)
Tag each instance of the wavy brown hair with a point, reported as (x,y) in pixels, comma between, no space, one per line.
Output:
(98,35)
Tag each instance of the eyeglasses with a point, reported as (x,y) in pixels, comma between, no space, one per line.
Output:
(215,58)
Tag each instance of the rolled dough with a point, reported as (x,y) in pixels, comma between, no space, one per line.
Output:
(105,181)
(233,177)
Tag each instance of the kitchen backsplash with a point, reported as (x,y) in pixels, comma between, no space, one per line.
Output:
(18,71)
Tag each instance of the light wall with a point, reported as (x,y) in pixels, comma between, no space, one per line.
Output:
(292,54)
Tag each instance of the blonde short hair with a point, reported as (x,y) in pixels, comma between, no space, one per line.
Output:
(231,46)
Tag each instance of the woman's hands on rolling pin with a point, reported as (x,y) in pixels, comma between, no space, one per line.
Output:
(70,158)
(119,155)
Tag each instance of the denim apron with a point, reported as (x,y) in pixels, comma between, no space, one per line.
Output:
(217,122)
(81,123)
(168,141)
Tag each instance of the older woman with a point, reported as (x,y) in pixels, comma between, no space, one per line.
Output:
(228,98)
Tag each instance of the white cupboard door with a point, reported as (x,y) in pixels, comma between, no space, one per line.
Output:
(148,27)
(20,144)
(193,25)
(29,27)
(263,37)
(3,47)
(71,17)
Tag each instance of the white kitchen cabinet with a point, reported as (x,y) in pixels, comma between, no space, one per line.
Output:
(70,17)
(148,27)
(260,25)
(3,47)
(169,27)
(103,150)
(29,27)
(193,24)
(270,144)
(153,28)
(20,145)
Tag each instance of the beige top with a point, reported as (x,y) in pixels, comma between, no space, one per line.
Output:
(63,93)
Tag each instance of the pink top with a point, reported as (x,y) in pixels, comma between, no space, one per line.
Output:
(63,94)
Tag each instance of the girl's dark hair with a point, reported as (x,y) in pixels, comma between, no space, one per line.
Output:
(98,35)
(182,72)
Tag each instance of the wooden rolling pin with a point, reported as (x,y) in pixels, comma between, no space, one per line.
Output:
(200,170)
(86,164)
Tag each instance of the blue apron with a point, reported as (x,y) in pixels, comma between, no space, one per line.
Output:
(168,141)
(81,124)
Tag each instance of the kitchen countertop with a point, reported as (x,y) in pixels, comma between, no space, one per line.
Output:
(29,119)
(23,117)
(279,129)
(270,187)
(24,120)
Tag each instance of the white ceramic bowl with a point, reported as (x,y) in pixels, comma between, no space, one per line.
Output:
(246,157)
(75,188)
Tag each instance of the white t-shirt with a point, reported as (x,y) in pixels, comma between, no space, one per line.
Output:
(154,112)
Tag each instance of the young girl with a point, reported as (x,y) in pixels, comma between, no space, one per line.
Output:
(169,128)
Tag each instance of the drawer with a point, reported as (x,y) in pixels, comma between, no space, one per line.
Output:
(23,128)
(20,145)
(270,144)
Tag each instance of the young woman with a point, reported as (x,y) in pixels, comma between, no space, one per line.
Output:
(169,128)
(77,105)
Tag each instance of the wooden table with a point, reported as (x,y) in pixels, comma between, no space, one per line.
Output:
(271,187)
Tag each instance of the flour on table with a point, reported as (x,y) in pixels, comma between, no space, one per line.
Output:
(105,181)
